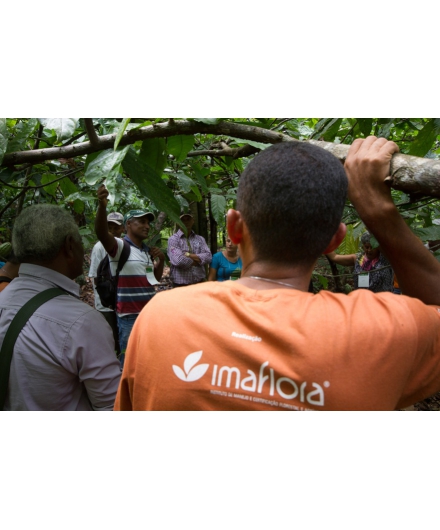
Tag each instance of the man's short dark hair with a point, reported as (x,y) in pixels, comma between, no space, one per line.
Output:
(291,197)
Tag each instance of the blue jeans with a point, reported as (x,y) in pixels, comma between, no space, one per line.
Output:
(125,325)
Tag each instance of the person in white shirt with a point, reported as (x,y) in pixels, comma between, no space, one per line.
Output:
(115,223)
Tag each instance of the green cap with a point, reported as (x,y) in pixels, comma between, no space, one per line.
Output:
(138,213)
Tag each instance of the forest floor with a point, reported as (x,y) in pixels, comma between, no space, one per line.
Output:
(87,296)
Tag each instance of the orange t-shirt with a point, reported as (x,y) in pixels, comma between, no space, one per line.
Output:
(3,285)
(224,346)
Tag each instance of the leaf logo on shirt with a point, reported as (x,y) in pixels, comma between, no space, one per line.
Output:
(192,372)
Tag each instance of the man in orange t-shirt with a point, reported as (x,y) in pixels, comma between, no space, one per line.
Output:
(263,342)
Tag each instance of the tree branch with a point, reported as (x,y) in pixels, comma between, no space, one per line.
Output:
(91,132)
(413,175)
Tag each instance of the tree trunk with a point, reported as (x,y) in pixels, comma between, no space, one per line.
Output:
(213,229)
(336,278)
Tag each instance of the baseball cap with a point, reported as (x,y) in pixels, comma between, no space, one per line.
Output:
(187,215)
(138,213)
(115,217)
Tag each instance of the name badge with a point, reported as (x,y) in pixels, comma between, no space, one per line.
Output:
(150,276)
(364,280)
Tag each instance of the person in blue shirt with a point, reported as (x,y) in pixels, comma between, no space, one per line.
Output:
(226,265)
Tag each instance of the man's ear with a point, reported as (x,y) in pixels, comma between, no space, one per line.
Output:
(336,239)
(68,247)
(234,223)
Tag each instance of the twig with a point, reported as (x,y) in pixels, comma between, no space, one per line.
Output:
(91,132)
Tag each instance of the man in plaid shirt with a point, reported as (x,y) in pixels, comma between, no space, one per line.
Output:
(188,255)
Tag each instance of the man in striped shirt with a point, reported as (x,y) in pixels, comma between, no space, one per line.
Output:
(144,267)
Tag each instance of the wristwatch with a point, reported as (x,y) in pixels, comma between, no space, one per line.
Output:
(187,254)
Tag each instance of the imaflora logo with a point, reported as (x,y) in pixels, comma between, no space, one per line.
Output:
(192,372)
(265,379)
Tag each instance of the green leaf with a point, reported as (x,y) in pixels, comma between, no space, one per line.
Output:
(151,185)
(258,145)
(431,233)
(365,125)
(350,243)
(425,139)
(331,129)
(78,206)
(385,130)
(184,181)
(3,138)
(21,133)
(51,188)
(121,131)
(179,146)
(99,167)
(323,281)
(200,173)
(218,207)
(63,127)
(153,154)
(197,193)
(67,187)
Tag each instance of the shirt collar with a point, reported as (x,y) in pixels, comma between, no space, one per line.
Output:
(144,247)
(180,233)
(50,276)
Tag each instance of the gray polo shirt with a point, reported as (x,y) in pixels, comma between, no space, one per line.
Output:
(64,357)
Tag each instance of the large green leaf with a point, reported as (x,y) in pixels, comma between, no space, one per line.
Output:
(52,187)
(153,154)
(121,131)
(218,207)
(151,185)
(258,145)
(3,138)
(365,125)
(200,172)
(331,129)
(21,134)
(100,167)
(431,233)
(426,138)
(350,244)
(67,187)
(63,127)
(179,146)
(184,181)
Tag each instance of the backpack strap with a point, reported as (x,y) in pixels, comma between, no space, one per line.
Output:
(14,329)
(4,279)
(123,258)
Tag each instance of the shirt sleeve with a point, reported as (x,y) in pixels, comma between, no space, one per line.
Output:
(204,253)
(424,377)
(215,264)
(90,352)
(98,253)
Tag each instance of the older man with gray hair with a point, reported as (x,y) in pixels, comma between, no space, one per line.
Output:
(63,358)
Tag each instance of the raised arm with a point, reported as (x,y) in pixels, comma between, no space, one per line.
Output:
(344,260)
(367,166)
(101,226)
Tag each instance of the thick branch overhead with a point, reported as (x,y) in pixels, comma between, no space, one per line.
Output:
(413,175)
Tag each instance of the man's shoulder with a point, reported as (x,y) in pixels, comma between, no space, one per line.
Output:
(176,236)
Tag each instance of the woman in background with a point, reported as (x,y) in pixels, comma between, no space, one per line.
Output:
(372,270)
(226,264)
